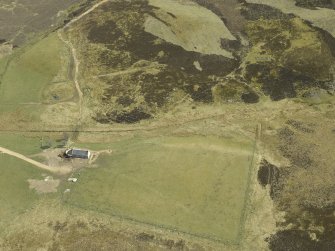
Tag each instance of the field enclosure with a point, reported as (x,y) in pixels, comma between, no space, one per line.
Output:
(195,185)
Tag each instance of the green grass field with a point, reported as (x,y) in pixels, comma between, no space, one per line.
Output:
(30,71)
(3,64)
(24,144)
(195,185)
(15,195)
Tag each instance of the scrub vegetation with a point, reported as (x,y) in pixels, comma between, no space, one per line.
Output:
(214,137)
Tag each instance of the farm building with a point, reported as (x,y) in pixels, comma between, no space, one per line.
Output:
(77,153)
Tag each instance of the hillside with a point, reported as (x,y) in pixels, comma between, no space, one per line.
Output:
(210,123)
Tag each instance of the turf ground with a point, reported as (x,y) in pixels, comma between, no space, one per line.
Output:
(30,71)
(15,195)
(195,184)
(29,144)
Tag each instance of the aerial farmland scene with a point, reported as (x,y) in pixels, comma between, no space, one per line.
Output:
(157,125)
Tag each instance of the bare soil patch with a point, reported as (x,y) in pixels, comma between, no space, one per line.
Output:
(44,186)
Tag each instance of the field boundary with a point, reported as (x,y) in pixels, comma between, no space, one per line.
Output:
(142,128)
(248,190)
(163,227)
(209,237)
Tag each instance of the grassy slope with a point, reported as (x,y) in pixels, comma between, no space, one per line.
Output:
(15,196)
(30,71)
(189,184)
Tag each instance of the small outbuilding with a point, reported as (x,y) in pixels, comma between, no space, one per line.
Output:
(77,153)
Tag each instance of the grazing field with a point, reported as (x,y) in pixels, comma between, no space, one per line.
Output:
(194,184)
(15,195)
(28,144)
(3,63)
(30,71)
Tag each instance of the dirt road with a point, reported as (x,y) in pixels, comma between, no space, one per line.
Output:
(76,71)
(85,13)
(74,54)
(59,170)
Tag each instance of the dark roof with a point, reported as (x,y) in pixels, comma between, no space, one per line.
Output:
(77,153)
